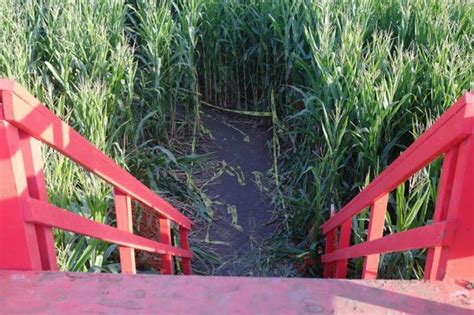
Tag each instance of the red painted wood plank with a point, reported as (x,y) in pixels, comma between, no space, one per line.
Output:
(344,241)
(32,157)
(39,212)
(329,270)
(450,129)
(331,241)
(441,210)
(435,234)
(29,115)
(184,240)
(123,213)
(375,231)
(457,260)
(63,293)
(12,86)
(165,238)
(18,242)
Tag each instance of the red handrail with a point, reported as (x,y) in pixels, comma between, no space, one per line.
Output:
(450,254)
(26,217)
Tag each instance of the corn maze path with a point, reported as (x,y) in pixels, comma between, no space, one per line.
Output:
(242,209)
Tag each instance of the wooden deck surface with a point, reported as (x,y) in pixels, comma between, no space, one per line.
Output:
(27,292)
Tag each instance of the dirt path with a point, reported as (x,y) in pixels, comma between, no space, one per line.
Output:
(241,209)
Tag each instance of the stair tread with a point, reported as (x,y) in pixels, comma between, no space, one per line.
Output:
(31,292)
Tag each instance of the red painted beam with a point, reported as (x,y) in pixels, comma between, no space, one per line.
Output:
(456,261)
(63,293)
(375,231)
(344,241)
(166,238)
(39,212)
(330,247)
(18,239)
(123,213)
(440,214)
(28,114)
(184,240)
(432,235)
(451,128)
(33,161)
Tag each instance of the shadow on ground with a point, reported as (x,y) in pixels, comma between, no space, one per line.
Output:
(242,211)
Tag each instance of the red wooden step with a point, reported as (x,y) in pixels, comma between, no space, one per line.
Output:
(29,292)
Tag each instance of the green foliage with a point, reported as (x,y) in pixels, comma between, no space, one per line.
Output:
(355,83)
(80,59)
(372,77)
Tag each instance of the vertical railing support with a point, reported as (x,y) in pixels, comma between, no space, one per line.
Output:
(330,246)
(32,157)
(184,239)
(166,238)
(329,267)
(456,259)
(375,231)
(344,241)
(442,203)
(123,212)
(18,241)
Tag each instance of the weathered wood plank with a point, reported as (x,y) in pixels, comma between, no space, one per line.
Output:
(59,293)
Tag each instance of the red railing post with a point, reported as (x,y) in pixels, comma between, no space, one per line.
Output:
(442,203)
(184,239)
(31,151)
(18,241)
(166,238)
(123,212)
(375,231)
(456,261)
(329,268)
(330,246)
(344,241)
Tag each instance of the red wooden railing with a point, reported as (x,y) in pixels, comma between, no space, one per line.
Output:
(26,217)
(449,238)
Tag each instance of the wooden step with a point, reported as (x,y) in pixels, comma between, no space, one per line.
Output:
(28,292)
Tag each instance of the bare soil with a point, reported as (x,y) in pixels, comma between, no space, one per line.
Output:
(242,209)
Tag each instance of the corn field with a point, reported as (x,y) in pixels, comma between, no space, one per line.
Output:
(347,85)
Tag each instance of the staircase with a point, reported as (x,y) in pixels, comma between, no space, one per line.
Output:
(30,282)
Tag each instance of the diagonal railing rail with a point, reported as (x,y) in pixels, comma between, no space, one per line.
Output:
(449,238)
(26,217)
